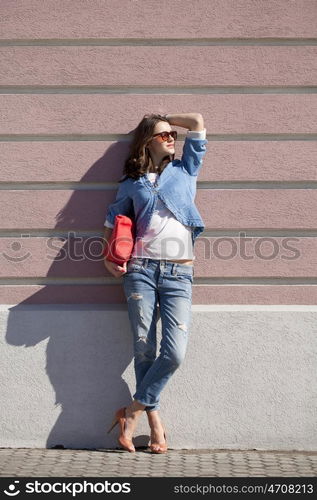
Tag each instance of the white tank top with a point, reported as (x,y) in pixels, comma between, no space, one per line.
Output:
(165,237)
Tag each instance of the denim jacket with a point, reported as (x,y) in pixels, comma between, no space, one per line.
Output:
(176,187)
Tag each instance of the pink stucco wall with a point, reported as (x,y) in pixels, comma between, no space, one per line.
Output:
(76,78)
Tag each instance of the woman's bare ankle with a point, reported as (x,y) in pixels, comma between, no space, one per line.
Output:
(136,406)
(155,421)
(132,413)
(134,410)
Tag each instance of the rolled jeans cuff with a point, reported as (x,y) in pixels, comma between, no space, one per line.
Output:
(148,406)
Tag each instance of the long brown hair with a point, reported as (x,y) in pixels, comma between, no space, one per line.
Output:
(139,160)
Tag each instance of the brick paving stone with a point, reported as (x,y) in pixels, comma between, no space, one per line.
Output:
(187,463)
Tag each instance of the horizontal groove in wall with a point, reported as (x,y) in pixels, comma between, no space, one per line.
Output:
(71,233)
(109,186)
(305,233)
(257,185)
(59,186)
(156,41)
(122,307)
(125,137)
(197,281)
(130,89)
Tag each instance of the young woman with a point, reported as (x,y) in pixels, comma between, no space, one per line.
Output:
(158,192)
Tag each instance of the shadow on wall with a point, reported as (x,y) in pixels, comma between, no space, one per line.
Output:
(88,347)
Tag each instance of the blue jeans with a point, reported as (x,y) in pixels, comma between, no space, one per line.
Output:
(149,283)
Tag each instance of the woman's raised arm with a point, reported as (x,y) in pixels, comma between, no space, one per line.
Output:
(191,121)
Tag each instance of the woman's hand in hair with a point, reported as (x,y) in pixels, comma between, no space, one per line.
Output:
(115,269)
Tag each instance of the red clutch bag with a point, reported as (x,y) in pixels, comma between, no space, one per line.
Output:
(120,245)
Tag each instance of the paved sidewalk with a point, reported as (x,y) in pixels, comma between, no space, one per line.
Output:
(176,463)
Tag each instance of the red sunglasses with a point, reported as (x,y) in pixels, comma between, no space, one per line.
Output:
(165,135)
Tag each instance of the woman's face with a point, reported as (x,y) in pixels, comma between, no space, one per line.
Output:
(157,148)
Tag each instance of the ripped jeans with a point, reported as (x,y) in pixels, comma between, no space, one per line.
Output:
(149,283)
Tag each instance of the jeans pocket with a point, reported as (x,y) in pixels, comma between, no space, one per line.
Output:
(184,277)
(133,268)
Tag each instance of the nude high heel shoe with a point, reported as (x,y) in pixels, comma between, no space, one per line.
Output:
(159,447)
(120,418)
